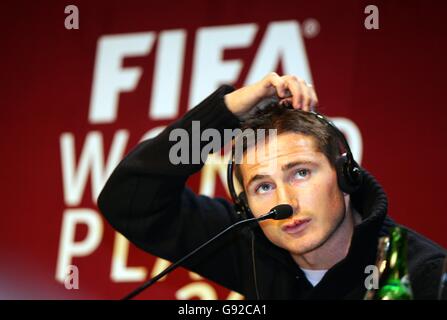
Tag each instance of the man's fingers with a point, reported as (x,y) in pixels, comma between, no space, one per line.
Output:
(301,93)
(295,89)
(292,90)
(286,101)
(307,96)
(314,102)
(275,84)
(280,87)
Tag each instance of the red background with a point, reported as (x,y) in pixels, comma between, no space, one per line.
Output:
(390,82)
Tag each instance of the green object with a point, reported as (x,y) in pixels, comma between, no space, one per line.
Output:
(395,281)
(383,248)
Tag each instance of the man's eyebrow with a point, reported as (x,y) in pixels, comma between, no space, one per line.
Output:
(296,163)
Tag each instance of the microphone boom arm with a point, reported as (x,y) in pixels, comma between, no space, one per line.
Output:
(175,265)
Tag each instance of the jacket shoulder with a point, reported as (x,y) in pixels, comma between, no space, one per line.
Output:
(425,262)
(423,249)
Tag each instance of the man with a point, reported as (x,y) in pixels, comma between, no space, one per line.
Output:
(320,252)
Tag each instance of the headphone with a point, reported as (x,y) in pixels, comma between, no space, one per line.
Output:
(349,174)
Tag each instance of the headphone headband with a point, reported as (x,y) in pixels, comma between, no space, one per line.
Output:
(230,173)
(337,131)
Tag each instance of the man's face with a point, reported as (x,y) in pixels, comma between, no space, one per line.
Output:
(295,173)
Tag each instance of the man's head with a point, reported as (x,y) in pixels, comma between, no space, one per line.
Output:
(299,171)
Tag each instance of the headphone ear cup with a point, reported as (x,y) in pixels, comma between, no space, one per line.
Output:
(246,212)
(349,178)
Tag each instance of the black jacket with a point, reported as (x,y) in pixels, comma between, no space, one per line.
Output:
(147,201)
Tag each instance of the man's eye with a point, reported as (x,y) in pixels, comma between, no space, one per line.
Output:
(301,173)
(263,188)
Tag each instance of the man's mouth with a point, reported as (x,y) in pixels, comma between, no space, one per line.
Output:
(296,225)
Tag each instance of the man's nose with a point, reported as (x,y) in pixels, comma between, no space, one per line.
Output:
(286,195)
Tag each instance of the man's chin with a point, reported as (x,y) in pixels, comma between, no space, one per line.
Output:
(302,247)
